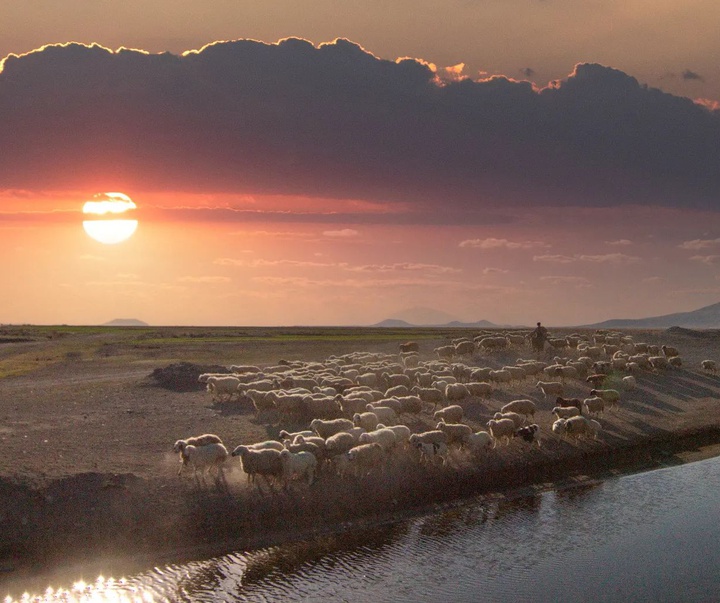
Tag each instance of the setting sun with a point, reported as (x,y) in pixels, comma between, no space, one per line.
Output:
(104,225)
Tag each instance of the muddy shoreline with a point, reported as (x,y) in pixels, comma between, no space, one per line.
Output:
(118,523)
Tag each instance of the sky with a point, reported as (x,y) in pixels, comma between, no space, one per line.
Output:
(335,164)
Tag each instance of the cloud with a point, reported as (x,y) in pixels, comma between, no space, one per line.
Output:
(710,260)
(493,243)
(204,279)
(488,270)
(691,75)
(406,267)
(345,233)
(577,281)
(697,244)
(338,122)
(608,258)
(619,242)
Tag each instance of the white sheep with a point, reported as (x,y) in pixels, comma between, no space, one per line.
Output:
(669,351)
(223,387)
(581,426)
(204,458)
(402,433)
(456,391)
(565,412)
(479,441)
(327,428)
(201,440)
(456,432)
(502,429)
(481,389)
(298,465)
(365,458)
(594,405)
(367,420)
(610,396)
(384,436)
(450,414)
(385,414)
(430,451)
(429,437)
(265,463)
(515,417)
(522,407)
(550,388)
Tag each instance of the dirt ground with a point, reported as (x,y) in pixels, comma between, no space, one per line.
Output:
(87,470)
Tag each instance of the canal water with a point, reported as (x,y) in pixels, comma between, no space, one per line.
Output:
(651,536)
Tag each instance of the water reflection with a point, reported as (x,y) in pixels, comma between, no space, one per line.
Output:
(649,536)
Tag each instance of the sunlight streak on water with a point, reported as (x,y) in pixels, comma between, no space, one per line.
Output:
(649,536)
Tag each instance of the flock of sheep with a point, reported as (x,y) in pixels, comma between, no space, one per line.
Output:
(354,408)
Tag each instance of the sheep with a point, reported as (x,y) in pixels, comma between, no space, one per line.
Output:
(402,432)
(669,351)
(261,401)
(340,443)
(285,435)
(410,346)
(450,414)
(675,361)
(429,451)
(223,387)
(479,441)
(465,348)
(298,465)
(594,405)
(501,376)
(456,432)
(325,428)
(629,382)
(445,351)
(365,458)
(321,408)
(456,391)
(384,436)
(659,362)
(529,434)
(502,429)
(397,390)
(516,418)
(429,437)
(567,402)
(367,420)
(393,403)
(266,463)
(611,397)
(429,394)
(481,389)
(522,407)
(267,444)
(580,426)
(235,368)
(350,405)
(204,458)
(709,365)
(565,412)
(549,388)
(385,414)
(393,380)
(318,452)
(410,405)
(201,440)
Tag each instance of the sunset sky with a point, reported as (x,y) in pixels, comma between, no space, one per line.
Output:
(324,163)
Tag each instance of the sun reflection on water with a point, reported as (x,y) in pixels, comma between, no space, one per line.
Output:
(103,590)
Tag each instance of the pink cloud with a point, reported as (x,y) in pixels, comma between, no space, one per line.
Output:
(493,243)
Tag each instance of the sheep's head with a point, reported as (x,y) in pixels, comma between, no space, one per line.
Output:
(179,446)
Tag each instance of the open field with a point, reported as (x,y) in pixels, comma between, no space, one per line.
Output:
(88,473)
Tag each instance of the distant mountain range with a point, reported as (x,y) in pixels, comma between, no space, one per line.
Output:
(125,322)
(396,323)
(707,317)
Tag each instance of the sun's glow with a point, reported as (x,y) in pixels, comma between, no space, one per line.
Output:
(105,227)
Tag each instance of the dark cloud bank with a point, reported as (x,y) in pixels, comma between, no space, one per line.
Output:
(337,121)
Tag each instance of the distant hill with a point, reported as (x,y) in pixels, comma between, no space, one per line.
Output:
(707,317)
(396,323)
(125,322)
